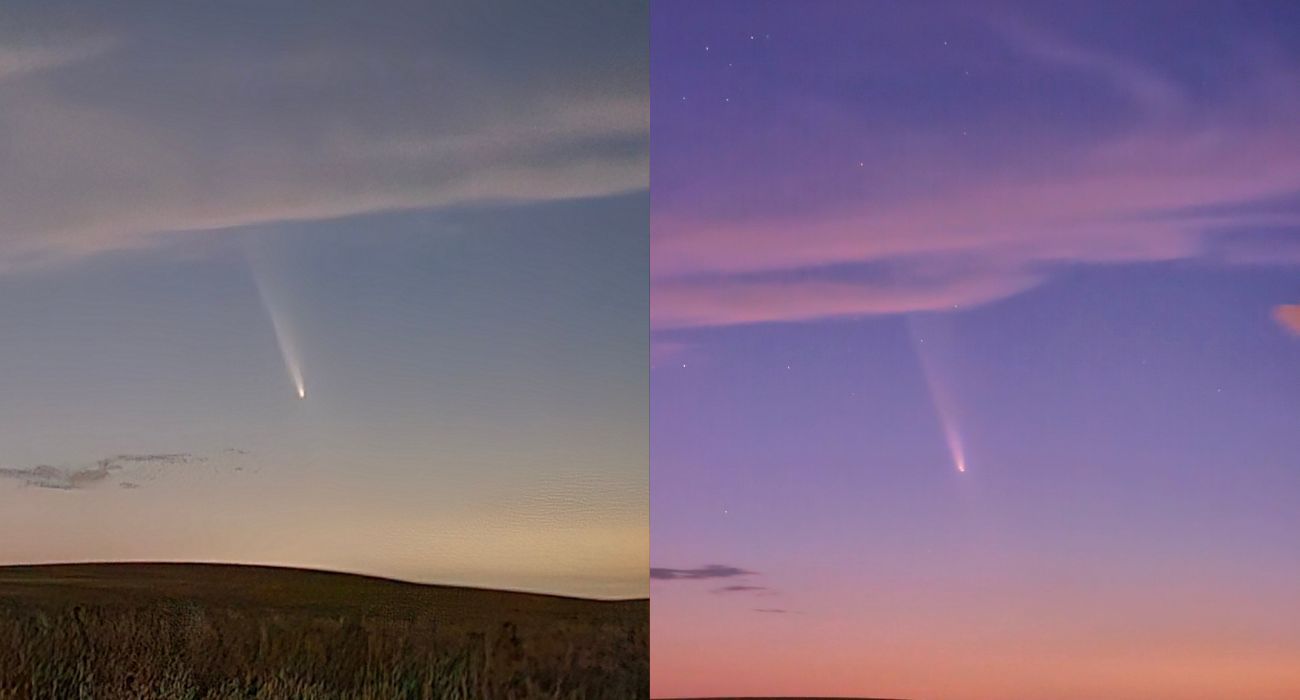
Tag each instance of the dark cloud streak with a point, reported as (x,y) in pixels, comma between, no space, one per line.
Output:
(740,589)
(65,478)
(711,571)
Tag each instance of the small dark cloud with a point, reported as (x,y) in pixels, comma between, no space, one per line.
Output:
(780,611)
(129,485)
(739,589)
(62,478)
(707,572)
(720,571)
(163,458)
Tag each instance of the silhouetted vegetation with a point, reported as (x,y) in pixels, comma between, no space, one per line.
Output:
(210,631)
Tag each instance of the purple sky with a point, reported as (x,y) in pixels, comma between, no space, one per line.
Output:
(1055,242)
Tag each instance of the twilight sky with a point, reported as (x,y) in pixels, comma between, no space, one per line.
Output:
(440,208)
(1056,244)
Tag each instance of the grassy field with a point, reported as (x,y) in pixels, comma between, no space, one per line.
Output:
(220,631)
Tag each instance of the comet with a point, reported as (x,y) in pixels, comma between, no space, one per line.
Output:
(283,335)
(940,397)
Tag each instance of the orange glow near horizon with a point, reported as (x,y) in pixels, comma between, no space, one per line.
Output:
(1034,648)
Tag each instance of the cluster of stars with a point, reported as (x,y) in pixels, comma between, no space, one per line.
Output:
(708,48)
(726,99)
(964,132)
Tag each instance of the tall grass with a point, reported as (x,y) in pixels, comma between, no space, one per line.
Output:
(184,650)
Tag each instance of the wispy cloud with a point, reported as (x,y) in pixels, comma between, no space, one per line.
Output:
(1288,316)
(128,469)
(996,218)
(666,350)
(191,123)
(27,56)
(30,46)
(1143,84)
(162,458)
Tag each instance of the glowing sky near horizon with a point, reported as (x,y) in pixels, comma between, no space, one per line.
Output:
(427,221)
(1054,244)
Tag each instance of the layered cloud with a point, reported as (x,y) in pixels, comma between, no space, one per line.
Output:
(689,303)
(126,124)
(1001,198)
